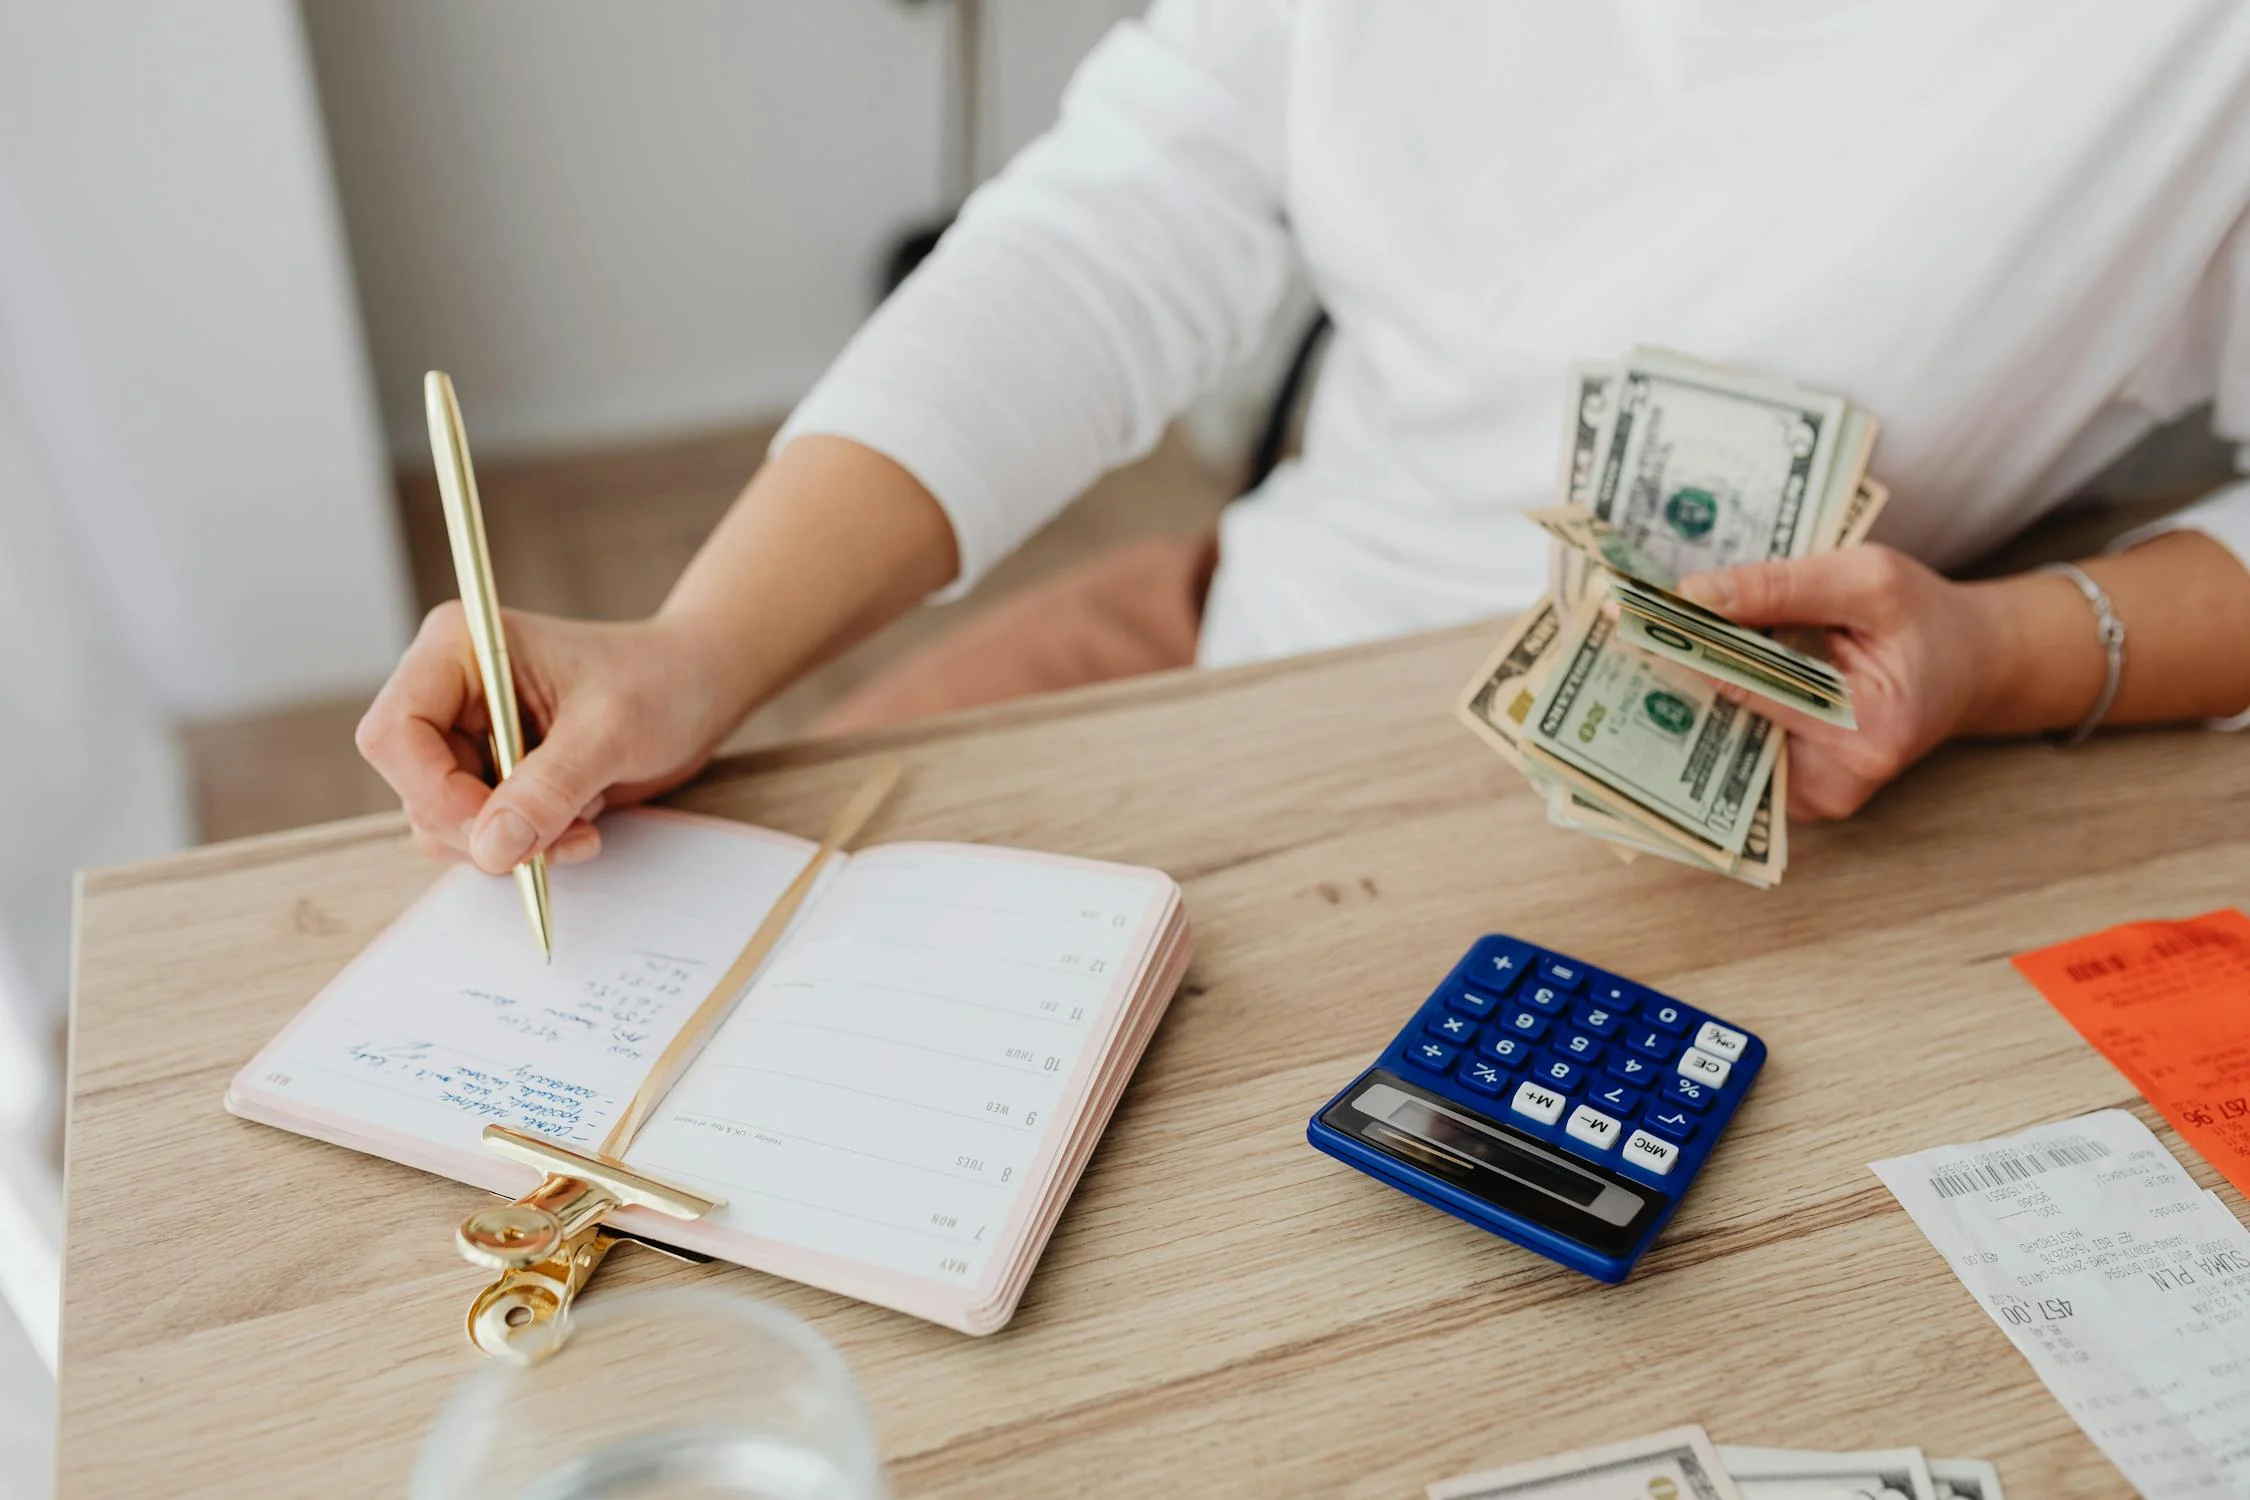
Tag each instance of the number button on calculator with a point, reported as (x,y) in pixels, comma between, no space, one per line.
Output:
(1570,1118)
(1666,1016)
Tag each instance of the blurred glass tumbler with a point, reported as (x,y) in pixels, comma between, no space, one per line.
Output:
(660,1396)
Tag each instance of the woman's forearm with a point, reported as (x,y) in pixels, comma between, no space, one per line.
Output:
(2184,600)
(828,542)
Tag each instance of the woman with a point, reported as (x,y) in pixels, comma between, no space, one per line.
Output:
(2014,229)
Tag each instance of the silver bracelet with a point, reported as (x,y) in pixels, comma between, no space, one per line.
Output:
(2110,631)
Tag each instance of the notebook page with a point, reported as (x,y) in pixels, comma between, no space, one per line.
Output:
(450,1020)
(884,1091)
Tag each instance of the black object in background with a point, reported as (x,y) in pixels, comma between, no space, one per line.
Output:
(914,246)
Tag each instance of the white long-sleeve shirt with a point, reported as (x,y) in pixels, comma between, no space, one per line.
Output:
(2013,229)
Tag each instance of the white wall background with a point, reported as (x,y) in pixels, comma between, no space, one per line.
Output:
(195,516)
(611,220)
(182,345)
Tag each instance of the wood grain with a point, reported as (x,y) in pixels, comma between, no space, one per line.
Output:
(1223,1311)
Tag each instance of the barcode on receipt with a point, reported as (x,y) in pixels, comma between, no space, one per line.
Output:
(2004,1167)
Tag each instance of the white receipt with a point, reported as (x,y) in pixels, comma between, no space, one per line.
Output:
(2125,1285)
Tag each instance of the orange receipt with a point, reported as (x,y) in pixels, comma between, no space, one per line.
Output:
(2169,1004)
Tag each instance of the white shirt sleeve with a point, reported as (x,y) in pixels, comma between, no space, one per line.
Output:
(2224,514)
(1115,270)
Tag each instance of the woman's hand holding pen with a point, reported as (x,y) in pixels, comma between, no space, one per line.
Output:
(617,713)
(829,541)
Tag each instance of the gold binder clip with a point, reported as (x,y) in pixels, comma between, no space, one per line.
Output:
(547,1243)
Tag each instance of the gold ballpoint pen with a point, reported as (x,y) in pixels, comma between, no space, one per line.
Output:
(480,602)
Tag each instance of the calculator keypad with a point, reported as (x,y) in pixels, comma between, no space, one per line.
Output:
(1621,1073)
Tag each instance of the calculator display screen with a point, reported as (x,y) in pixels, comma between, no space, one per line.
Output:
(1506,1168)
(1443,1128)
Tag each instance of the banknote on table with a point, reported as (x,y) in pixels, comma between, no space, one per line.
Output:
(1965,1479)
(1793,1474)
(1677,1465)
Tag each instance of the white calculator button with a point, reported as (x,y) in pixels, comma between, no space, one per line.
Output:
(1720,1042)
(1542,1104)
(1593,1127)
(1701,1066)
(1651,1154)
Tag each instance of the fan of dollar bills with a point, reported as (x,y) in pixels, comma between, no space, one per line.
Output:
(1604,693)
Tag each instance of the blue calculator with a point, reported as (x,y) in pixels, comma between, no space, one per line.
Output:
(1539,1098)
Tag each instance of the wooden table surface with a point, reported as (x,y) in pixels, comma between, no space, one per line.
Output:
(1223,1310)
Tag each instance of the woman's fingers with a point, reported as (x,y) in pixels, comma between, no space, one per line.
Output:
(1826,780)
(1858,588)
(542,799)
(580,842)
(1823,789)
(411,734)
(1796,721)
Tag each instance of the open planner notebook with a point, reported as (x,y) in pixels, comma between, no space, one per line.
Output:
(896,1110)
